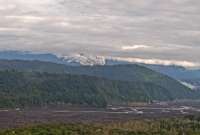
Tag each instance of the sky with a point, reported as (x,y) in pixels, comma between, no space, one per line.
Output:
(148,31)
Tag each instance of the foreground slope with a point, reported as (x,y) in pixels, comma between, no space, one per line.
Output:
(142,127)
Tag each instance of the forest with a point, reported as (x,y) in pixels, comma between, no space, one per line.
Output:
(28,89)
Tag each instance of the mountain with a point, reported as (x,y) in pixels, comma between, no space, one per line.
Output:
(190,77)
(131,72)
(19,55)
(176,72)
(128,73)
(110,68)
(73,60)
(26,89)
(82,59)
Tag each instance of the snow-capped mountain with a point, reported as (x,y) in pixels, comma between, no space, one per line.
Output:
(82,59)
(191,77)
(72,60)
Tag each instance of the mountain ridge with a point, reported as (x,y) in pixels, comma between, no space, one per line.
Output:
(183,75)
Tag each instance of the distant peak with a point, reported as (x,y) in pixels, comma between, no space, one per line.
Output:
(84,59)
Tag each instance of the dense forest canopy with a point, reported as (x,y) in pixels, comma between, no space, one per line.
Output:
(131,72)
(22,89)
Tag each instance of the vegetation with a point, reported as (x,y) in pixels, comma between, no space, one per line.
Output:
(131,73)
(22,89)
(142,127)
(35,83)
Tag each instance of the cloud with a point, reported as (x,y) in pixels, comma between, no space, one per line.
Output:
(159,62)
(26,18)
(134,47)
(147,29)
(7,7)
(5,29)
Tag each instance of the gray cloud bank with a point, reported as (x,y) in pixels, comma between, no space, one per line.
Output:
(152,30)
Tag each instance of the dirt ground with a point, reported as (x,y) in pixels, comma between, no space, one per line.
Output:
(10,118)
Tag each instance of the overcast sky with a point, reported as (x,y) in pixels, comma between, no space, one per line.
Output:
(137,30)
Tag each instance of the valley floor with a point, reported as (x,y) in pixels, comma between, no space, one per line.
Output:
(12,118)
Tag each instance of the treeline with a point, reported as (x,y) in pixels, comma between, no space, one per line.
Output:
(142,127)
(26,89)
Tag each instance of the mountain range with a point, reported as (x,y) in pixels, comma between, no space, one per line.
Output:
(176,72)
(74,60)
(26,89)
(42,79)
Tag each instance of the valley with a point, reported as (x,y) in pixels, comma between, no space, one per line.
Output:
(42,98)
(99,67)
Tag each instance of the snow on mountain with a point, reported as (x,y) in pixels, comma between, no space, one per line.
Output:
(74,60)
(83,59)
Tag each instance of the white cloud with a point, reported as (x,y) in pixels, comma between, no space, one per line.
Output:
(26,18)
(4,29)
(159,62)
(191,86)
(64,24)
(134,47)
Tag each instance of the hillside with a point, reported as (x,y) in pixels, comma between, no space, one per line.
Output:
(187,76)
(176,72)
(131,73)
(22,89)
